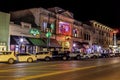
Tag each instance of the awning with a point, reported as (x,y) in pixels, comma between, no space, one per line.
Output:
(80,44)
(37,41)
(12,41)
(53,43)
(16,40)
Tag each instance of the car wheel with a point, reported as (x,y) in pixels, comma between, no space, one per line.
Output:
(64,58)
(47,59)
(11,61)
(29,60)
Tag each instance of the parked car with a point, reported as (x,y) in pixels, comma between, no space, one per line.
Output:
(8,56)
(76,55)
(44,55)
(63,55)
(26,57)
(91,55)
(117,54)
(104,55)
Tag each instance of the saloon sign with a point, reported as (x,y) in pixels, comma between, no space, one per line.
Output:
(34,32)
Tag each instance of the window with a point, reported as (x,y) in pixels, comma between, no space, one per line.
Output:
(48,27)
(26,25)
(86,36)
(75,32)
(44,26)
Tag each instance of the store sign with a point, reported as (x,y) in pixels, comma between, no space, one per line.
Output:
(34,31)
(48,34)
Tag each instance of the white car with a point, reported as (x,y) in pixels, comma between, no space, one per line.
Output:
(8,56)
(45,55)
(112,55)
(75,55)
(26,57)
(91,55)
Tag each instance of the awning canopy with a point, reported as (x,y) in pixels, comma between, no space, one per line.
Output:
(16,40)
(37,42)
(53,43)
(80,44)
(12,40)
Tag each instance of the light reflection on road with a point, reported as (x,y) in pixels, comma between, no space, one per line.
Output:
(22,70)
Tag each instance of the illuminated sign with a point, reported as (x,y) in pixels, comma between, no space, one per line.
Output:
(48,34)
(64,28)
(34,31)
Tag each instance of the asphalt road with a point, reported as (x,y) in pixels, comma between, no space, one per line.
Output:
(91,69)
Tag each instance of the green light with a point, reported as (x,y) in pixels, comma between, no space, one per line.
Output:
(52,26)
(48,34)
(34,31)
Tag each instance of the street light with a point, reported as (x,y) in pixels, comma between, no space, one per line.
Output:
(20,43)
(48,35)
(74,45)
(21,40)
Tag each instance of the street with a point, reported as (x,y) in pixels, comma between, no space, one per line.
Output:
(90,69)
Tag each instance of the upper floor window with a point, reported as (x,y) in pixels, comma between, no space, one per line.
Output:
(75,32)
(48,27)
(87,36)
(26,25)
(44,26)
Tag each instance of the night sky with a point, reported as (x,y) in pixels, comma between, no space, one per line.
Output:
(106,12)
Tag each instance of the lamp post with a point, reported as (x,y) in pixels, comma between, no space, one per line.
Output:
(48,35)
(20,44)
(74,45)
(114,40)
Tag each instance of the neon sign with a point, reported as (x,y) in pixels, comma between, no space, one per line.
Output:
(34,31)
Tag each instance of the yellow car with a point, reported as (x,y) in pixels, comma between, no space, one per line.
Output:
(26,57)
(8,56)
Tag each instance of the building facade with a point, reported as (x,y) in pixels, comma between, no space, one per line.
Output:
(36,29)
(103,35)
(4,31)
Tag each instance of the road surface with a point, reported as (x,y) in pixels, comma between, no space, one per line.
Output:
(91,69)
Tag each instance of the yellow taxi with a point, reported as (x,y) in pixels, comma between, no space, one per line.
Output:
(8,56)
(26,57)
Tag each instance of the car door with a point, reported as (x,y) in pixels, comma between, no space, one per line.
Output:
(5,56)
(22,57)
(40,55)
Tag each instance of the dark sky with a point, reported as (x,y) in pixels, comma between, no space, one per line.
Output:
(104,11)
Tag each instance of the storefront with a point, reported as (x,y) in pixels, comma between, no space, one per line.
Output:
(80,46)
(25,44)
(52,44)
(32,45)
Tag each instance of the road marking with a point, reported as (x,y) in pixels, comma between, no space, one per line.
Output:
(54,73)
(28,68)
(60,72)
